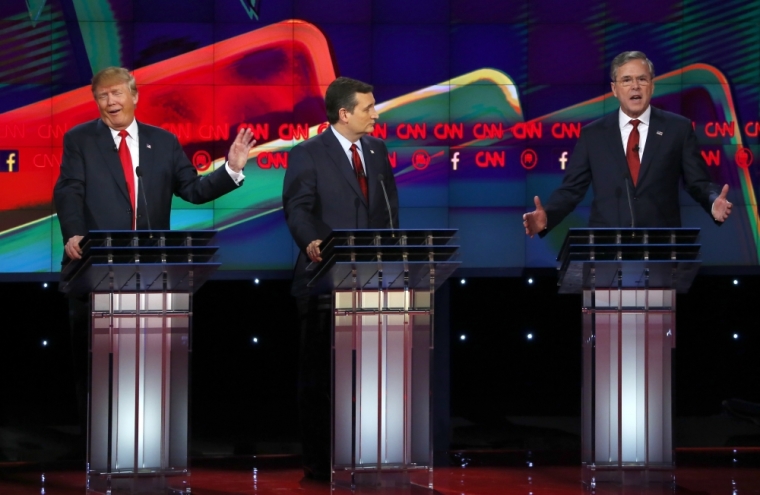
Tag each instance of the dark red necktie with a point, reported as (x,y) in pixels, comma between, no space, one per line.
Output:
(129,174)
(359,169)
(632,151)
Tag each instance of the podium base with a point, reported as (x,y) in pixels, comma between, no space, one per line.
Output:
(629,474)
(387,476)
(144,482)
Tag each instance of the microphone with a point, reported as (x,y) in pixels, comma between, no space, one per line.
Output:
(115,148)
(357,204)
(630,204)
(138,171)
(636,148)
(387,203)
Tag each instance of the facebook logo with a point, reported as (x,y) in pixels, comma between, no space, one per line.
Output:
(8,160)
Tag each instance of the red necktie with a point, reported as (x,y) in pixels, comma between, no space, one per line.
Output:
(632,151)
(359,169)
(129,174)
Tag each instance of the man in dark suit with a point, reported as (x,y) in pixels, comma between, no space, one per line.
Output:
(93,191)
(334,181)
(638,152)
(98,188)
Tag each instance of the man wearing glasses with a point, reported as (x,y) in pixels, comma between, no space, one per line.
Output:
(634,158)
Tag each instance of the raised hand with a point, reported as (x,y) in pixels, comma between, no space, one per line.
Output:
(238,155)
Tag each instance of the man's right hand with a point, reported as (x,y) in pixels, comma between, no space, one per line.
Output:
(72,249)
(312,251)
(535,221)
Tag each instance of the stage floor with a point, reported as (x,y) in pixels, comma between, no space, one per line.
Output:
(713,471)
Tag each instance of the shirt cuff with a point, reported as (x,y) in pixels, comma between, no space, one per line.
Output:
(236,176)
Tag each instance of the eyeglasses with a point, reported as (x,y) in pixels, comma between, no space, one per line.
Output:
(628,81)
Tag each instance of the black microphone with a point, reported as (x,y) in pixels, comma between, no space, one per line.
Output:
(630,204)
(636,148)
(142,190)
(115,148)
(357,204)
(387,203)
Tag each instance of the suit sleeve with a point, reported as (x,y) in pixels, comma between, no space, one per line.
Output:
(300,200)
(696,177)
(573,188)
(191,187)
(68,194)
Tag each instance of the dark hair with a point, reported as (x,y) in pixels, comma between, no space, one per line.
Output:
(114,75)
(626,57)
(341,93)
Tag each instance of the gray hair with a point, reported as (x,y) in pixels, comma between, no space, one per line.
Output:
(626,57)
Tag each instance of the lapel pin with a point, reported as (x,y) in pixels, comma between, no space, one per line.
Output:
(659,133)
(147,146)
(372,151)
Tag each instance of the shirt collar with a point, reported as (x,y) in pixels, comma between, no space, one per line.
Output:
(345,143)
(624,120)
(131,129)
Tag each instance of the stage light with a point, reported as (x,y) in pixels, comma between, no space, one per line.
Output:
(44,343)
(736,281)
(530,281)
(463,281)
(530,336)
(255,340)
(736,336)
(44,285)
(463,337)
(256,281)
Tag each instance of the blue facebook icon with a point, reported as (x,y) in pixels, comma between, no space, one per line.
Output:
(8,160)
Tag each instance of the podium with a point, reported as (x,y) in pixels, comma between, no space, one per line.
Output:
(383,284)
(140,286)
(629,278)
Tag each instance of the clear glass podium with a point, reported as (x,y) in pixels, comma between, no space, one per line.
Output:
(629,279)
(141,286)
(383,284)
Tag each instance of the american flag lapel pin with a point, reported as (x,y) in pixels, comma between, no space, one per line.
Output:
(659,133)
(147,146)
(372,151)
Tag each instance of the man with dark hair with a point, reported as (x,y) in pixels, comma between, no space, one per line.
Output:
(638,152)
(333,181)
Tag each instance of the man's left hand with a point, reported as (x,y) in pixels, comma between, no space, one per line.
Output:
(721,207)
(238,155)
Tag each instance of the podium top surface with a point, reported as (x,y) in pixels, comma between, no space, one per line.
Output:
(141,260)
(369,258)
(629,258)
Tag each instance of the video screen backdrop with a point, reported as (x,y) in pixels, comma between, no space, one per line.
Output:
(480,105)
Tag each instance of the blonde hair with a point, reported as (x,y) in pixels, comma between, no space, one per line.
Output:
(110,74)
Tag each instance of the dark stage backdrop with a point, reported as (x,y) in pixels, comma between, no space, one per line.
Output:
(480,101)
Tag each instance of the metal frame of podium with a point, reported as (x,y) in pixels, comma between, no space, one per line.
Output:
(629,278)
(141,286)
(383,284)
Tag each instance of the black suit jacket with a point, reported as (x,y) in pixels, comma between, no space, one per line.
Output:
(671,153)
(321,193)
(91,192)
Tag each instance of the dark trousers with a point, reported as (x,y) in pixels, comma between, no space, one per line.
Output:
(314,385)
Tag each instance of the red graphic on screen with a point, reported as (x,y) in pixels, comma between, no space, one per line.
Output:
(744,157)
(528,159)
(420,159)
(202,160)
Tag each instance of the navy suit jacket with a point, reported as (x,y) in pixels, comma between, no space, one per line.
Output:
(671,153)
(321,193)
(91,192)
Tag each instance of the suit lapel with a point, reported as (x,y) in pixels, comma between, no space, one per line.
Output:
(111,159)
(340,160)
(615,142)
(654,137)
